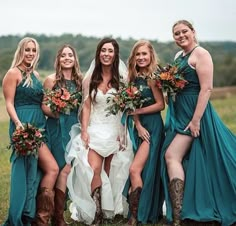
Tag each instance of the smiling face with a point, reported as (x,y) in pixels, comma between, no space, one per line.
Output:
(183,35)
(29,53)
(67,58)
(143,57)
(107,54)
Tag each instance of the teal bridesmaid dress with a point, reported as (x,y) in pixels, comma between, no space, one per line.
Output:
(24,170)
(152,195)
(58,130)
(210,165)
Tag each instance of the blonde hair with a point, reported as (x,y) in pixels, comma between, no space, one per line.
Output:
(133,69)
(19,57)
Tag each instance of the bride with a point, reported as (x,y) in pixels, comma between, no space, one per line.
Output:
(100,166)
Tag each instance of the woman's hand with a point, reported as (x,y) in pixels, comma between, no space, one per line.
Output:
(194,127)
(19,125)
(56,114)
(85,138)
(121,143)
(143,133)
(132,112)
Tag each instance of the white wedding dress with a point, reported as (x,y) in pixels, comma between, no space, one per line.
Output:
(103,131)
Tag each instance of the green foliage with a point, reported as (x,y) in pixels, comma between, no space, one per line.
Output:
(223,53)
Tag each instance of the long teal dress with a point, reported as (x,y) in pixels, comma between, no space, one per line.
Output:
(151,199)
(58,129)
(210,165)
(24,173)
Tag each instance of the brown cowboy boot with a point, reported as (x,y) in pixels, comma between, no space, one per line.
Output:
(133,206)
(96,196)
(59,202)
(44,207)
(176,190)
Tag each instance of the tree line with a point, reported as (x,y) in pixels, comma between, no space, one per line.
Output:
(223,53)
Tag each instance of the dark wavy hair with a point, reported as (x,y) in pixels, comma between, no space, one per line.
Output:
(96,77)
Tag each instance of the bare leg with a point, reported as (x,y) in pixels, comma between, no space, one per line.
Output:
(62,178)
(45,197)
(95,161)
(60,197)
(107,164)
(174,156)
(135,171)
(49,167)
(138,165)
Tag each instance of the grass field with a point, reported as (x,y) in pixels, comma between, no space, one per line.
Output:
(225,107)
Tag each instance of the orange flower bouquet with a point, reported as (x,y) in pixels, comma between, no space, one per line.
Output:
(27,140)
(170,79)
(62,101)
(127,98)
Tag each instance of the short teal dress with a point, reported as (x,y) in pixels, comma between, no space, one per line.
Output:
(210,165)
(58,129)
(152,195)
(24,174)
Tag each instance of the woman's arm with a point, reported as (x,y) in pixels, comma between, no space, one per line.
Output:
(204,67)
(9,84)
(48,85)
(156,107)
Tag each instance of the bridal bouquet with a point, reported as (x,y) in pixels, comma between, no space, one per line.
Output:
(170,78)
(127,98)
(27,140)
(62,101)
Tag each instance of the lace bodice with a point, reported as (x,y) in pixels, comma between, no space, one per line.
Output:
(98,113)
(31,95)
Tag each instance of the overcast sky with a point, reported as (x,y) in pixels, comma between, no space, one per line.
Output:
(214,20)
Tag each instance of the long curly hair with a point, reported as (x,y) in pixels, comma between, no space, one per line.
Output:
(133,69)
(96,78)
(76,73)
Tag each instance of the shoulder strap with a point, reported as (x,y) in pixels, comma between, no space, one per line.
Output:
(192,50)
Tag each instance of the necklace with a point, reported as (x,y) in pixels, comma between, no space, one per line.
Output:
(25,69)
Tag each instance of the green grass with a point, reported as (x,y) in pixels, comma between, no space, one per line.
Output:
(226,108)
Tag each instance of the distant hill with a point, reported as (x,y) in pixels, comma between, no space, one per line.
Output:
(223,53)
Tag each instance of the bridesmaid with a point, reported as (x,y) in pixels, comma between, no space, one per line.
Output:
(23,94)
(199,151)
(144,191)
(67,76)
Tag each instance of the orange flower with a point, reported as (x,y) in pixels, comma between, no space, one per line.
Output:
(131,91)
(65,94)
(180,84)
(165,75)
